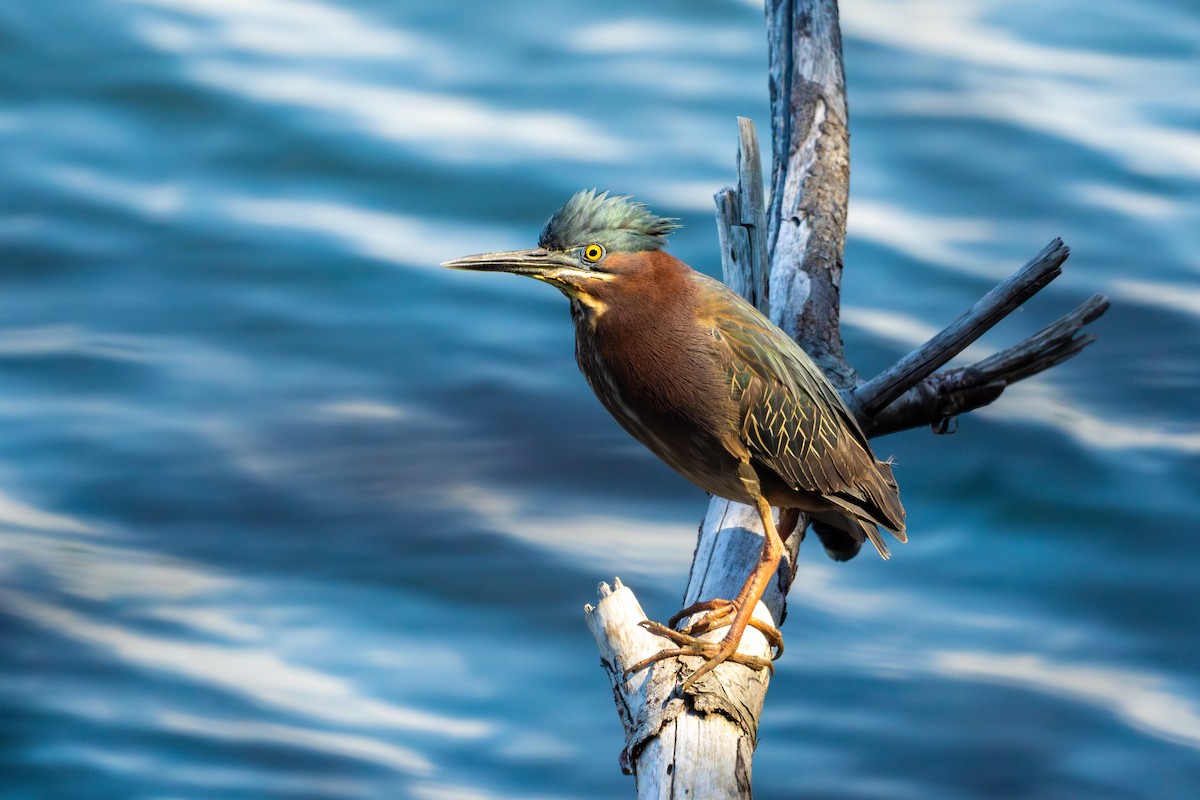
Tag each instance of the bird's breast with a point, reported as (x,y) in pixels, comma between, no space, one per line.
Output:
(665,387)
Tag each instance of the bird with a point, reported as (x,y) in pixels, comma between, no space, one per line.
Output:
(714,389)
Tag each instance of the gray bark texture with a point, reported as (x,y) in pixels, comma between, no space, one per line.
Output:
(785,256)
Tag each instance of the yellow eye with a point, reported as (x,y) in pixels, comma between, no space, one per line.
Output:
(593,253)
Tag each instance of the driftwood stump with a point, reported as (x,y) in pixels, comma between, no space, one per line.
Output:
(786,258)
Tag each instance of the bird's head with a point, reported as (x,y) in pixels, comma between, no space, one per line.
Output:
(586,249)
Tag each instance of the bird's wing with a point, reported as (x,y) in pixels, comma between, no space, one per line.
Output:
(793,420)
(788,419)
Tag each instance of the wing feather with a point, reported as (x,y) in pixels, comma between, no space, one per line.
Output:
(793,420)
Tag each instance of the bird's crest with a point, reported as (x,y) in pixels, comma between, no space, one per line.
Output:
(619,223)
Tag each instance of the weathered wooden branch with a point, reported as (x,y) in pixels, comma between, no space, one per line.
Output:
(698,746)
(940,397)
(810,178)
(741,224)
(786,257)
(871,397)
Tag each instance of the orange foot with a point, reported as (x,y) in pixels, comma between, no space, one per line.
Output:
(721,613)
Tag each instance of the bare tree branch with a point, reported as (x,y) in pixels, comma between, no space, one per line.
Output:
(741,223)
(871,397)
(810,178)
(944,395)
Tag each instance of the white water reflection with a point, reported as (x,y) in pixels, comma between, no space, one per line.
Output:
(691,195)
(450,791)
(155,200)
(86,569)
(365,410)
(1139,699)
(1183,298)
(1091,118)
(1117,105)
(611,542)
(901,329)
(454,128)
(660,36)
(401,759)
(282,27)
(1044,403)
(961,32)
(387,236)
(211,621)
(291,35)
(937,240)
(101,595)
(1125,201)
(184,360)
(260,675)
(17,514)
(141,770)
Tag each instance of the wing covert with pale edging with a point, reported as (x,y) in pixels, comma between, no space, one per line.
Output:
(792,419)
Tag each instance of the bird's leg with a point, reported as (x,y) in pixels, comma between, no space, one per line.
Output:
(748,597)
(722,611)
(743,611)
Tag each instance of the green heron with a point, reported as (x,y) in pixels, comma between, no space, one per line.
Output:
(714,389)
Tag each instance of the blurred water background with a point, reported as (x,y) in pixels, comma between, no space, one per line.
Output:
(287,511)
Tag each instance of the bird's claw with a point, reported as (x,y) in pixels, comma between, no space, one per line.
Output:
(716,653)
(721,613)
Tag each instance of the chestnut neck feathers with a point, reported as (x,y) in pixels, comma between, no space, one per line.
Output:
(646,341)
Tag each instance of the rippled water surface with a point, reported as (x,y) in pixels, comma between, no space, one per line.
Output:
(287,511)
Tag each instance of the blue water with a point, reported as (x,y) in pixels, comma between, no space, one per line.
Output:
(287,511)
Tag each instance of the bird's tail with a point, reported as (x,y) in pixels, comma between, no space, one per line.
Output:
(874,504)
(883,498)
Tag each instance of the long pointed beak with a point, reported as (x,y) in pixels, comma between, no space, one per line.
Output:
(535,262)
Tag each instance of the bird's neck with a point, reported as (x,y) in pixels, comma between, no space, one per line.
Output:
(653,292)
(639,332)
